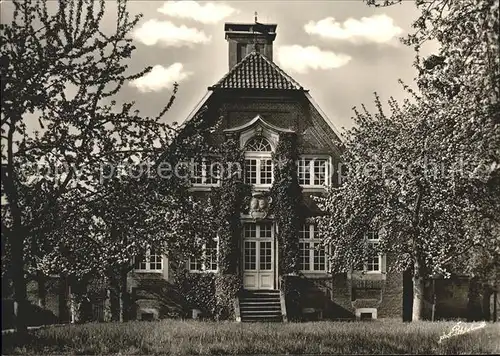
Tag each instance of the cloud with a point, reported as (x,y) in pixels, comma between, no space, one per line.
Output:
(168,34)
(160,78)
(377,28)
(209,13)
(300,59)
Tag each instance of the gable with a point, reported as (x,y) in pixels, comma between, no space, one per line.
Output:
(321,133)
(255,87)
(239,109)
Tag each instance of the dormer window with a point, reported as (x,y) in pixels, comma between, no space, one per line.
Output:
(258,139)
(258,163)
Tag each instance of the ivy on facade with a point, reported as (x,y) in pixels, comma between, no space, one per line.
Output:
(287,200)
(197,290)
(228,201)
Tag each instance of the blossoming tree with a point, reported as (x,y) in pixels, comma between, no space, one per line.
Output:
(426,174)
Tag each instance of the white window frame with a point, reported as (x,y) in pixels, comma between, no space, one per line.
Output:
(148,263)
(259,156)
(312,159)
(203,262)
(204,173)
(312,240)
(369,239)
(258,238)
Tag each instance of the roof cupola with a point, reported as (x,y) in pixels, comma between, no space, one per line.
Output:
(244,38)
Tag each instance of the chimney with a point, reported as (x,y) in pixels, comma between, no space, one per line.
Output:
(245,38)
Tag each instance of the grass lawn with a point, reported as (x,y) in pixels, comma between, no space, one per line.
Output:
(208,338)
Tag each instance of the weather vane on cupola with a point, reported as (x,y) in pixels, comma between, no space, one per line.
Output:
(255,45)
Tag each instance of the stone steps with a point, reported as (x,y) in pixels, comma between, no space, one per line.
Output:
(260,306)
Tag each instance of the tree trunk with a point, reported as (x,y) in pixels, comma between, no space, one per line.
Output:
(124,296)
(407,295)
(114,298)
(418,298)
(17,234)
(42,289)
(418,281)
(81,306)
(63,300)
(20,294)
(433,299)
(418,293)
(495,306)
(486,303)
(473,304)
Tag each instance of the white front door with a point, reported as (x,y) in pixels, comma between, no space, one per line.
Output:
(258,256)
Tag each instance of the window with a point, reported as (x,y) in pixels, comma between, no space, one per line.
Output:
(312,171)
(151,262)
(258,163)
(205,172)
(304,173)
(241,51)
(258,231)
(258,144)
(373,261)
(208,260)
(258,171)
(311,251)
(257,245)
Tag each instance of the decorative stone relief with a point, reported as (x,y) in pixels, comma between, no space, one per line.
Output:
(259,205)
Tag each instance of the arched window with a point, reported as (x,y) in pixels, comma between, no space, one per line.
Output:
(258,144)
(258,163)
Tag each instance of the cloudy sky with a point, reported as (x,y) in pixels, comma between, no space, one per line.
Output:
(342,51)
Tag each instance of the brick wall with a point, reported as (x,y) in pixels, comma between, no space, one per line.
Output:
(289,110)
(391,305)
(341,296)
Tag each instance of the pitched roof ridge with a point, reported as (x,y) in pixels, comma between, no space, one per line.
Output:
(281,71)
(232,70)
(250,60)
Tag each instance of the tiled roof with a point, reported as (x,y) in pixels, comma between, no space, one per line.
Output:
(255,71)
